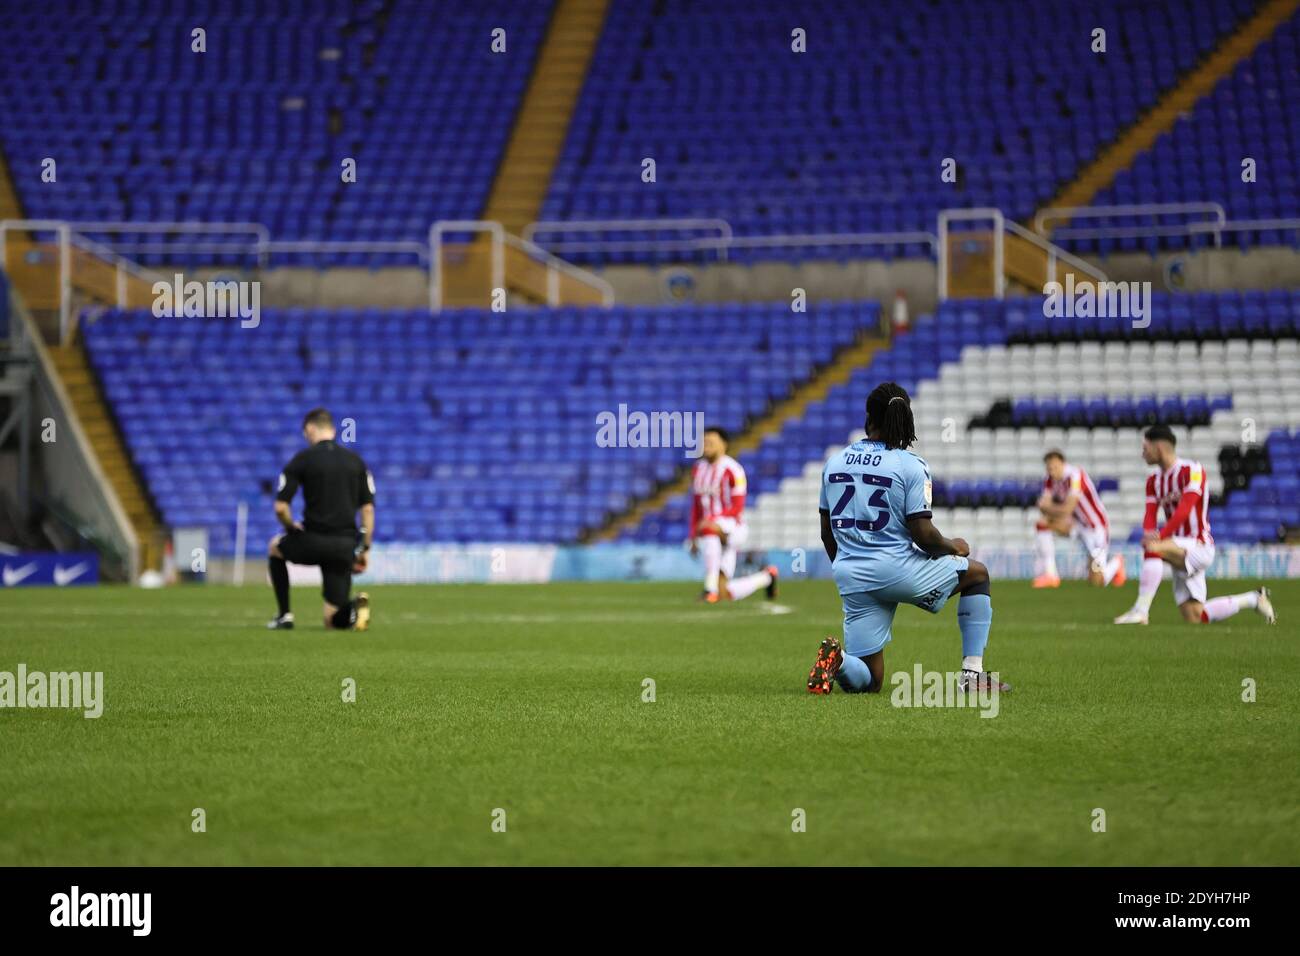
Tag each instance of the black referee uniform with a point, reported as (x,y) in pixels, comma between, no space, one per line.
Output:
(335,485)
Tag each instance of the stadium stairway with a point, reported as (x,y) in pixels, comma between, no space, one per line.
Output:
(34,267)
(529,159)
(34,270)
(1175,103)
(88,405)
(1027,266)
(543,119)
(838,372)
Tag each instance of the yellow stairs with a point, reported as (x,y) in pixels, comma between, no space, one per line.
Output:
(1027,265)
(87,404)
(466,270)
(527,164)
(34,271)
(791,409)
(544,115)
(1140,137)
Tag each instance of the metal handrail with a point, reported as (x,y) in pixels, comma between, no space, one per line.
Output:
(1055,252)
(1132,209)
(122,267)
(836,239)
(436,231)
(1001,226)
(1215,226)
(530,231)
(64,233)
(1248,225)
(722,243)
(120,262)
(947,216)
(402,246)
(263,246)
(260,233)
(555,266)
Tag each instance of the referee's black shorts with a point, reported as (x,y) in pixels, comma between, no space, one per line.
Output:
(332,552)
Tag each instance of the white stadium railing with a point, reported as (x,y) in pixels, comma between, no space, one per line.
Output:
(1214,222)
(1155,211)
(66,240)
(722,241)
(719,241)
(251,238)
(1001,226)
(501,240)
(254,240)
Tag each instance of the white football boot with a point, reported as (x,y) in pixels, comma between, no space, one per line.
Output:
(1131,616)
(1265,607)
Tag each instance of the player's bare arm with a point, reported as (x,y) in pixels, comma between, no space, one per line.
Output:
(828,536)
(1166,549)
(1057,514)
(930,540)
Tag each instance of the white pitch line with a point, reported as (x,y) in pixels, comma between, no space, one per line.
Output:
(654,614)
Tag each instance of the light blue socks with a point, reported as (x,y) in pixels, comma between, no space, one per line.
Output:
(974,615)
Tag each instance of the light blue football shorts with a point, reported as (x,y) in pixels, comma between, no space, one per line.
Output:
(869,615)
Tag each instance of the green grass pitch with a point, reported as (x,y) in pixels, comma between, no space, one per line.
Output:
(529,699)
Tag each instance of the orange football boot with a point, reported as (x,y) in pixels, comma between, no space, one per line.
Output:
(1121,575)
(827,665)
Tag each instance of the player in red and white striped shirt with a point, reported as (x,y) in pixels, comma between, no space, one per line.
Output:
(1178,489)
(1072,508)
(718,529)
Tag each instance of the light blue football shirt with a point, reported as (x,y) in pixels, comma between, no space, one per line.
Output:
(870,492)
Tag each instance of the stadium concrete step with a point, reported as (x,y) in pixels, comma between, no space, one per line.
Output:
(1025,266)
(467,278)
(970,267)
(92,414)
(34,269)
(544,115)
(1175,103)
(837,372)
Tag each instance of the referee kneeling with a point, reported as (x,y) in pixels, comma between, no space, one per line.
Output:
(335,485)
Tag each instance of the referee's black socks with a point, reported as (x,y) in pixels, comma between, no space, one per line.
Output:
(346,616)
(280,581)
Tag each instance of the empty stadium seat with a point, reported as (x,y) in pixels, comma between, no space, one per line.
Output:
(1090,397)
(478,426)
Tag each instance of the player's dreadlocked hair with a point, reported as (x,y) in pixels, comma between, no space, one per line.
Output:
(889,414)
